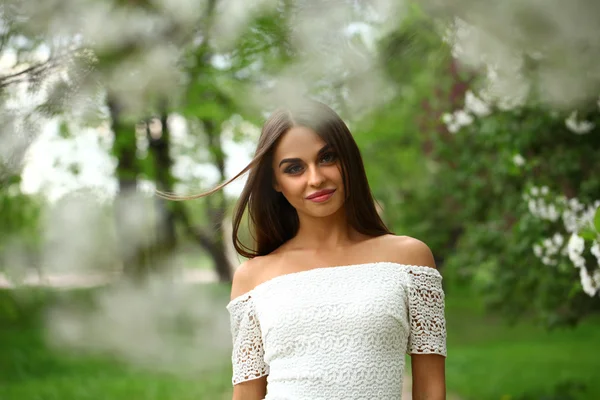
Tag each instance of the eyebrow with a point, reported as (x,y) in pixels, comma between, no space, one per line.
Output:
(297,160)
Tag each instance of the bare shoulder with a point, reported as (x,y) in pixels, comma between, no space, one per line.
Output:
(407,250)
(246,276)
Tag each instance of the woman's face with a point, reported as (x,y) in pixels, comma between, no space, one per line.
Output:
(308,173)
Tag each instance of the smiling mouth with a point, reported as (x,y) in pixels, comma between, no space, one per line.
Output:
(321,196)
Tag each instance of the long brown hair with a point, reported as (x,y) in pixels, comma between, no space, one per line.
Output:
(273,221)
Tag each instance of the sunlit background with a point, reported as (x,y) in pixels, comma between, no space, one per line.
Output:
(479,124)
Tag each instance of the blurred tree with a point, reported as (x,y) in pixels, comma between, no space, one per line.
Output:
(212,95)
(160,150)
(19,241)
(424,76)
(467,181)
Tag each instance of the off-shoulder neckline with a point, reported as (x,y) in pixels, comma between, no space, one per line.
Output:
(289,275)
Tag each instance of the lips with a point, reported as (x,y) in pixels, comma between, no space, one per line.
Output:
(320,193)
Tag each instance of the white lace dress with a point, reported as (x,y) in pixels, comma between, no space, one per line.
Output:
(337,332)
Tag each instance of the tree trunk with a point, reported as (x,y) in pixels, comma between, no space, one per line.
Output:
(159,148)
(132,257)
(217,204)
(208,240)
(212,237)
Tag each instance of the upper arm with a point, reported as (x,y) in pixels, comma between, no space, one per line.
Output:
(428,332)
(425,301)
(244,280)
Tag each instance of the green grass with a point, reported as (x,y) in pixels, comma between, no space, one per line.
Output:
(32,370)
(486,358)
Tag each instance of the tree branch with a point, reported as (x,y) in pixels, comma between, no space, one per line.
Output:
(200,235)
(37,69)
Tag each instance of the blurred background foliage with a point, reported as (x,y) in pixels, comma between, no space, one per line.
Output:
(479,128)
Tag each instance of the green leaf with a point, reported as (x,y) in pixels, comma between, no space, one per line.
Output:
(597,220)
(63,130)
(588,234)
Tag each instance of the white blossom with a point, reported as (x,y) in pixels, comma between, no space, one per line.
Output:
(575,248)
(532,205)
(589,283)
(595,249)
(549,249)
(570,221)
(476,105)
(558,239)
(447,118)
(548,261)
(518,160)
(575,205)
(463,118)
(552,212)
(457,120)
(575,217)
(574,221)
(578,127)
(596,277)
(450,122)
(508,90)
(576,244)
(543,210)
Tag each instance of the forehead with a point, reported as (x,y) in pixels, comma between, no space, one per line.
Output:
(299,142)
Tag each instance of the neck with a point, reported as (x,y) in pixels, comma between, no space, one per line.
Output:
(324,233)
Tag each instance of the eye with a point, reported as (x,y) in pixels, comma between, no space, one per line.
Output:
(329,158)
(293,169)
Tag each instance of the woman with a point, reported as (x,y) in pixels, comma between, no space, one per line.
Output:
(329,301)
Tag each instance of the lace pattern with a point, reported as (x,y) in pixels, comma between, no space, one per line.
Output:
(426,312)
(337,332)
(248,351)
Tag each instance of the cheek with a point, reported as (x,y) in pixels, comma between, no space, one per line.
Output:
(334,174)
(290,186)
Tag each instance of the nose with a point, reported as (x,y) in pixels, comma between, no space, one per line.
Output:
(315,177)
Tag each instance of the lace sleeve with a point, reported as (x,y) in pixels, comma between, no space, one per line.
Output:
(426,312)
(247,355)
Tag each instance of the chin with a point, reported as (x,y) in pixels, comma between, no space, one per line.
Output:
(323,210)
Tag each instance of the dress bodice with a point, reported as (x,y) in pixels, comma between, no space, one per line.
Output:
(337,332)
